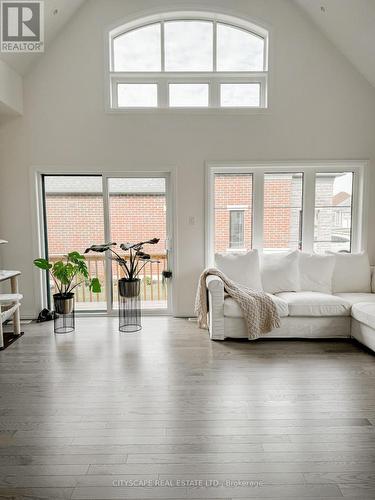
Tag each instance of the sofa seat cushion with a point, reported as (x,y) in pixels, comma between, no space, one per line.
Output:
(315,304)
(356,298)
(233,310)
(365,313)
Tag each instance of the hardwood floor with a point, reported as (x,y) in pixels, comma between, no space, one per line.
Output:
(166,413)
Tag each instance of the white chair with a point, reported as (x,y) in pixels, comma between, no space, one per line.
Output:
(9,306)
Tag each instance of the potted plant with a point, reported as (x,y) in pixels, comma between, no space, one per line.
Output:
(131,263)
(67,274)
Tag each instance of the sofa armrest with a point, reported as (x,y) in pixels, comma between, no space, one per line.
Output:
(215,283)
(215,287)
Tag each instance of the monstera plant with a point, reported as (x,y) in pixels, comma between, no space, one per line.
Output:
(132,261)
(67,274)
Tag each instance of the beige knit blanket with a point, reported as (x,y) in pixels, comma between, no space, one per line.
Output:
(258,309)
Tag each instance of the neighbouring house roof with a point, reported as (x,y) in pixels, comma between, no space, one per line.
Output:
(93,185)
(341,198)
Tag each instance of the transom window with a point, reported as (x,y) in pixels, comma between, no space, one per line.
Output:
(188,61)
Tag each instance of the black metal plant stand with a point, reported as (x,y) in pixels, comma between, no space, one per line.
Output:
(129,308)
(63,323)
(64,315)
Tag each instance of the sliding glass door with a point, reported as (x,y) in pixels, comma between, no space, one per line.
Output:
(138,212)
(81,210)
(73,220)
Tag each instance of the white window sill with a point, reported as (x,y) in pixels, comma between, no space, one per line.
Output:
(189,111)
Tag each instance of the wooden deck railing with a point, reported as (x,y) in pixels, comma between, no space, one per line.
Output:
(152,287)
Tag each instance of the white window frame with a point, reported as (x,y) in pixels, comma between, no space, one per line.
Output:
(241,209)
(309,170)
(164,78)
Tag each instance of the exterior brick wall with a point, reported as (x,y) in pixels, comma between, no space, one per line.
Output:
(281,221)
(277,217)
(139,217)
(232,191)
(76,221)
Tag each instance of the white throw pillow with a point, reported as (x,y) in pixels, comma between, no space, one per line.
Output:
(316,272)
(352,273)
(280,272)
(242,268)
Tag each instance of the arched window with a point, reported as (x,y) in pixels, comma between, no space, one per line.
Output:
(189,60)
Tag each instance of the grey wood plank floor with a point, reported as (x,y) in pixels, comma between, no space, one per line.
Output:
(166,413)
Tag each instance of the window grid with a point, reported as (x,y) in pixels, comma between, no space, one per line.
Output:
(236,229)
(162,41)
(213,78)
(214,47)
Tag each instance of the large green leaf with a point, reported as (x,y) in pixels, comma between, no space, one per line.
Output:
(75,257)
(62,272)
(42,264)
(95,285)
(81,267)
(71,270)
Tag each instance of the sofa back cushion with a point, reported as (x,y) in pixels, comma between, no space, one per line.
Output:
(316,272)
(280,272)
(242,268)
(352,273)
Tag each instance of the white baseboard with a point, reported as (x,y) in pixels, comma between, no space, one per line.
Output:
(27,315)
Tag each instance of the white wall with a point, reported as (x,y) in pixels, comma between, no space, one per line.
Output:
(11,98)
(320,108)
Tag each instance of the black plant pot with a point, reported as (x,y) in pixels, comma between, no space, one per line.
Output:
(129,288)
(63,316)
(64,303)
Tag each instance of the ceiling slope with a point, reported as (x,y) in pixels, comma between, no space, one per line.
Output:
(350,25)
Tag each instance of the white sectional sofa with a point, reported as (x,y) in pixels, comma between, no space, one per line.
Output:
(329,296)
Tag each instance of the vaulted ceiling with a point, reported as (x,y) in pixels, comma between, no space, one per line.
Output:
(350,25)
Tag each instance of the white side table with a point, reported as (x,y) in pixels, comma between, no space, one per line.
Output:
(12,301)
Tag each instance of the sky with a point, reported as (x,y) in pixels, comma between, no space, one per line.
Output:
(343,183)
(188,47)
